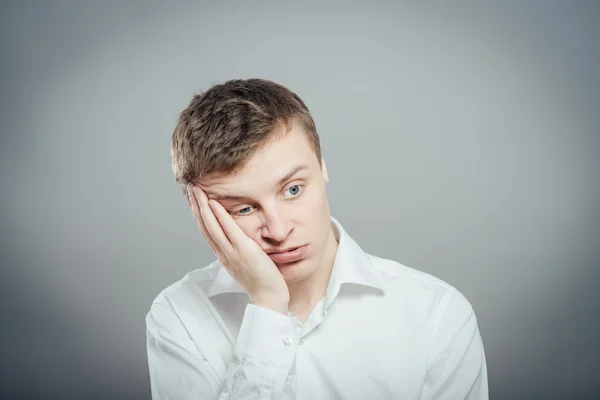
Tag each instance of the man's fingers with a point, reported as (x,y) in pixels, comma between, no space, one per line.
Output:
(199,220)
(232,230)
(211,223)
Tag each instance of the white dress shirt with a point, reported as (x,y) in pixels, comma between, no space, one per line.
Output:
(382,331)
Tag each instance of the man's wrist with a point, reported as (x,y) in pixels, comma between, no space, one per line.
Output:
(279,305)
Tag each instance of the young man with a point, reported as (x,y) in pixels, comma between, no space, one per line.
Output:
(293,308)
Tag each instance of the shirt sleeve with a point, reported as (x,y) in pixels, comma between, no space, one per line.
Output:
(264,354)
(457,365)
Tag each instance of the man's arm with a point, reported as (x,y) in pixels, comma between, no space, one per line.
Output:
(180,369)
(457,366)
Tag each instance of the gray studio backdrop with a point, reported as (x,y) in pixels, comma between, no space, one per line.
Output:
(461,140)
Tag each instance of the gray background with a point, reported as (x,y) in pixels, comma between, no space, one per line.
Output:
(462,139)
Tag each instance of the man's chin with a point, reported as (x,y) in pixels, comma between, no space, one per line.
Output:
(289,264)
(295,271)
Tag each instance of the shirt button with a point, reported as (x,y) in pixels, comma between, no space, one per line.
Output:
(287,341)
(301,341)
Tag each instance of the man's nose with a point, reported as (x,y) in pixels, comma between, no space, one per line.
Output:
(275,226)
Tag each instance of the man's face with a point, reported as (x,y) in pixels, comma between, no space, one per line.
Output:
(279,200)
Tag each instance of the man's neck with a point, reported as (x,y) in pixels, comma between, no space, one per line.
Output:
(306,294)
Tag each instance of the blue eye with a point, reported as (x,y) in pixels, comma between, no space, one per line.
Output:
(294,190)
(246,209)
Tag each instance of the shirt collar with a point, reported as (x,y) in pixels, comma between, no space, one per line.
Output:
(351,265)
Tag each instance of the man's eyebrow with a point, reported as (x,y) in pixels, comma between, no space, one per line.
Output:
(283,180)
(292,172)
(226,197)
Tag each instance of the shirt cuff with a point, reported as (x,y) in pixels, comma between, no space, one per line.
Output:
(268,337)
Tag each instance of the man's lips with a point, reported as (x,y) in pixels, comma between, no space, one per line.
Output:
(294,254)
(276,251)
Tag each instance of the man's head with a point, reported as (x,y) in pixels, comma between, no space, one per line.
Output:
(222,127)
(253,146)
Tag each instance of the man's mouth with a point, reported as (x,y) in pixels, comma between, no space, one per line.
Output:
(289,255)
(283,251)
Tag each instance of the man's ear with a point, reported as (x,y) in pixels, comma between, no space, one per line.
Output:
(187,197)
(324,169)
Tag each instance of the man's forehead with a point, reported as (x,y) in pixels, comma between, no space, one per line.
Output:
(233,186)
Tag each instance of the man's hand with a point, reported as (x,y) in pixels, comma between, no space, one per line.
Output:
(243,258)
